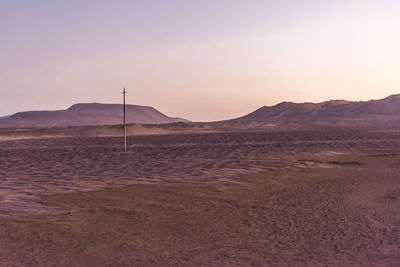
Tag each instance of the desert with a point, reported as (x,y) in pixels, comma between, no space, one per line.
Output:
(200,133)
(236,198)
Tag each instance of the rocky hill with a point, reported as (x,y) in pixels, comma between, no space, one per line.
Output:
(87,115)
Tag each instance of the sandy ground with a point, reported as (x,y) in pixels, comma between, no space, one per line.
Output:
(288,198)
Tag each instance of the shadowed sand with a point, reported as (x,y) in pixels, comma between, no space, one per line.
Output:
(294,198)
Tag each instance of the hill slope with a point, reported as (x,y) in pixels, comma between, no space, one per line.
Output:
(86,115)
(374,113)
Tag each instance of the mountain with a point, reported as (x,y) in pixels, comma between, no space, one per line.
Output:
(382,114)
(374,113)
(86,115)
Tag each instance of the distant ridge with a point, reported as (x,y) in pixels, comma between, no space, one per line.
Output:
(87,114)
(374,113)
(334,108)
(382,114)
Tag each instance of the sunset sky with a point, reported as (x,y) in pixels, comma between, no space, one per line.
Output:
(200,60)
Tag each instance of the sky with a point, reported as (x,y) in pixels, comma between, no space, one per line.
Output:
(201,60)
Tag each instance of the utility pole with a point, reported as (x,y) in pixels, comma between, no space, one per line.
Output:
(124,93)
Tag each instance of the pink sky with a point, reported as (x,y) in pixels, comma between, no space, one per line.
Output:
(201,60)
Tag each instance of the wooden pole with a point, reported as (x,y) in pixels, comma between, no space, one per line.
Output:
(124,93)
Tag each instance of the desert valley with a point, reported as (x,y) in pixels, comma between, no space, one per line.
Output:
(200,133)
(287,185)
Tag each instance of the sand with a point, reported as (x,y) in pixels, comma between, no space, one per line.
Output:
(288,198)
